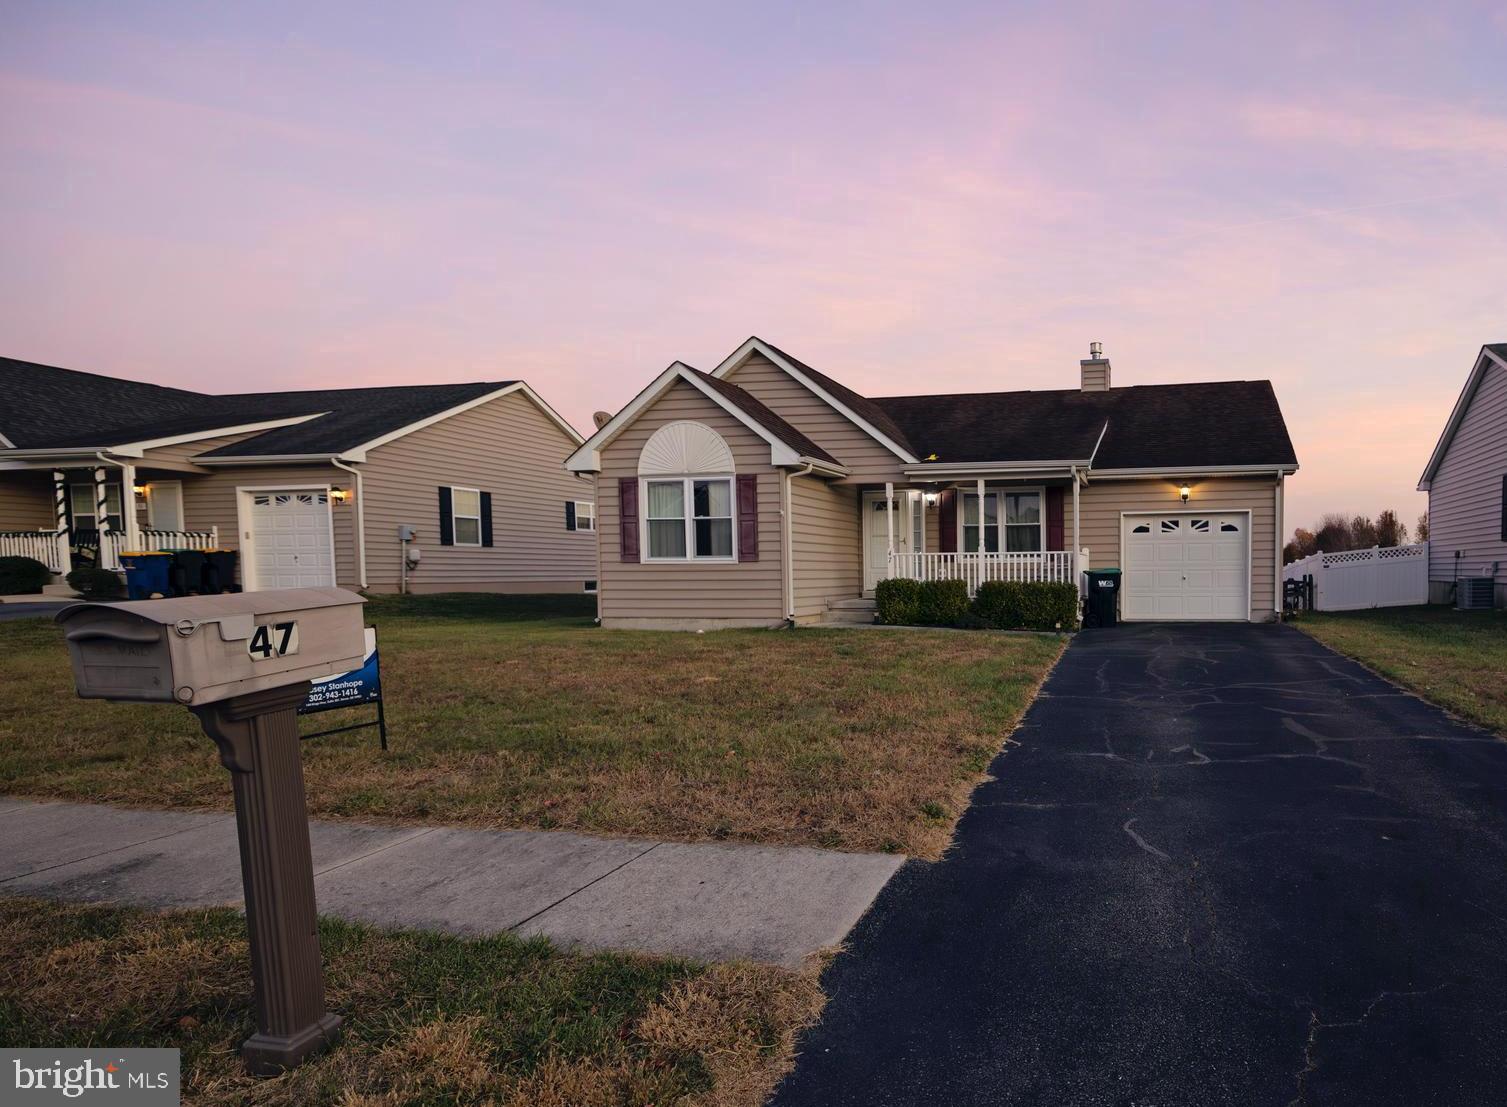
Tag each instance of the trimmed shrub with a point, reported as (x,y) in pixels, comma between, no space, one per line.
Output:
(1027,605)
(898,601)
(21,576)
(96,584)
(943,602)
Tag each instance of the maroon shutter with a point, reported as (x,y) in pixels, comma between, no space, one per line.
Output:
(627,511)
(748,517)
(1054,519)
(947,521)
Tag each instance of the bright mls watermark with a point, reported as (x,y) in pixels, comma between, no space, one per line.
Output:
(124,1077)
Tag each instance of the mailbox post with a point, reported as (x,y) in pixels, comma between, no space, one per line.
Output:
(243,663)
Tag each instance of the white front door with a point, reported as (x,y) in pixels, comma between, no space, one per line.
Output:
(876,537)
(1186,566)
(292,544)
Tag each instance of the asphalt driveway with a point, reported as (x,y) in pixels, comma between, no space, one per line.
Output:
(1222,865)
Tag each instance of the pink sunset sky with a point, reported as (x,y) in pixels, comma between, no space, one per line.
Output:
(911,197)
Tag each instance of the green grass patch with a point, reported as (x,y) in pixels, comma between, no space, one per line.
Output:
(429,1019)
(515,711)
(1457,659)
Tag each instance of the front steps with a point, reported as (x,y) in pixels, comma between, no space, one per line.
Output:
(851,612)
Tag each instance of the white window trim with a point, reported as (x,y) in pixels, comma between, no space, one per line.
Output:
(1001,490)
(455,516)
(589,513)
(690,517)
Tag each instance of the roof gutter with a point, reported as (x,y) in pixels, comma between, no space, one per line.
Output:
(228,460)
(943,469)
(1286,467)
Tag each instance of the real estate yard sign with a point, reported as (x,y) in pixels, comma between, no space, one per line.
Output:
(352,689)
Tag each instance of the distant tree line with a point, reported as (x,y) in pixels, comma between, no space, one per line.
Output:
(1336,532)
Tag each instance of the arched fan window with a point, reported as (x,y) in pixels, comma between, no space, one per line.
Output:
(687,474)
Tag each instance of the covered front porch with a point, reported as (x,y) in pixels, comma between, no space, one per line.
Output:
(994,525)
(88,516)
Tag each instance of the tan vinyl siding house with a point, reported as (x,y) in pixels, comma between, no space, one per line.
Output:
(870,488)
(508,447)
(308,488)
(1466,482)
(669,594)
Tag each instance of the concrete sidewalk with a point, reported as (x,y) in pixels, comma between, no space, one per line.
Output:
(714,902)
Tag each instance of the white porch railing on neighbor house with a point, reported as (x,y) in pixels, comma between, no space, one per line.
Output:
(112,543)
(976,568)
(50,547)
(1383,576)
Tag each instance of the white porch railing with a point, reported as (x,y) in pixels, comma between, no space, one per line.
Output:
(50,547)
(112,543)
(1353,580)
(976,568)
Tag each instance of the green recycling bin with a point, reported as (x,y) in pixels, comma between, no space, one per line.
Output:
(146,573)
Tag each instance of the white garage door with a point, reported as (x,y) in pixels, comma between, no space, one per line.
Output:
(291,539)
(1186,566)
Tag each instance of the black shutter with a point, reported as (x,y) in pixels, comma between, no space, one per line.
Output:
(570,514)
(627,516)
(1504,508)
(486,518)
(447,518)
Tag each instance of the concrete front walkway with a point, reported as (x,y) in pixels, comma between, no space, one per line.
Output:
(714,902)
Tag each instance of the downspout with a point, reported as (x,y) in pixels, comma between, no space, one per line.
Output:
(360,520)
(787,549)
(1281,530)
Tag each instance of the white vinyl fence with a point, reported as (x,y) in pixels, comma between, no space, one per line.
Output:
(1383,576)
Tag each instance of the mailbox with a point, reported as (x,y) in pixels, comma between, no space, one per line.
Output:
(242,662)
(201,649)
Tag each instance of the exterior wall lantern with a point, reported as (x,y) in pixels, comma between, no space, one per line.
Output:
(339,495)
(1185,492)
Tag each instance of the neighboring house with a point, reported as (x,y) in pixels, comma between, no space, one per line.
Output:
(310,487)
(766,492)
(1466,480)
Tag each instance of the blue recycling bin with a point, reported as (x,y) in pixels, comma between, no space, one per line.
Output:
(146,573)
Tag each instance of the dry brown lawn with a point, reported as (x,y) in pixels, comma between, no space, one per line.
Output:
(506,713)
(429,1019)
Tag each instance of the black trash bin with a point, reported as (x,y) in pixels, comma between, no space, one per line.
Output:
(1102,606)
(187,572)
(219,572)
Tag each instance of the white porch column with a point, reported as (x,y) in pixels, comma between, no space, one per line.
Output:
(60,503)
(1077,538)
(889,514)
(101,506)
(128,507)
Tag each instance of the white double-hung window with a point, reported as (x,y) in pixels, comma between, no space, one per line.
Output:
(689,518)
(466,505)
(1012,521)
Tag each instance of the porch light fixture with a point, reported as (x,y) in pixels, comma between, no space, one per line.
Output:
(931,499)
(340,495)
(1185,492)
(139,489)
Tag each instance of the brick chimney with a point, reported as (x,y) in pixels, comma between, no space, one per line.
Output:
(1095,369)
